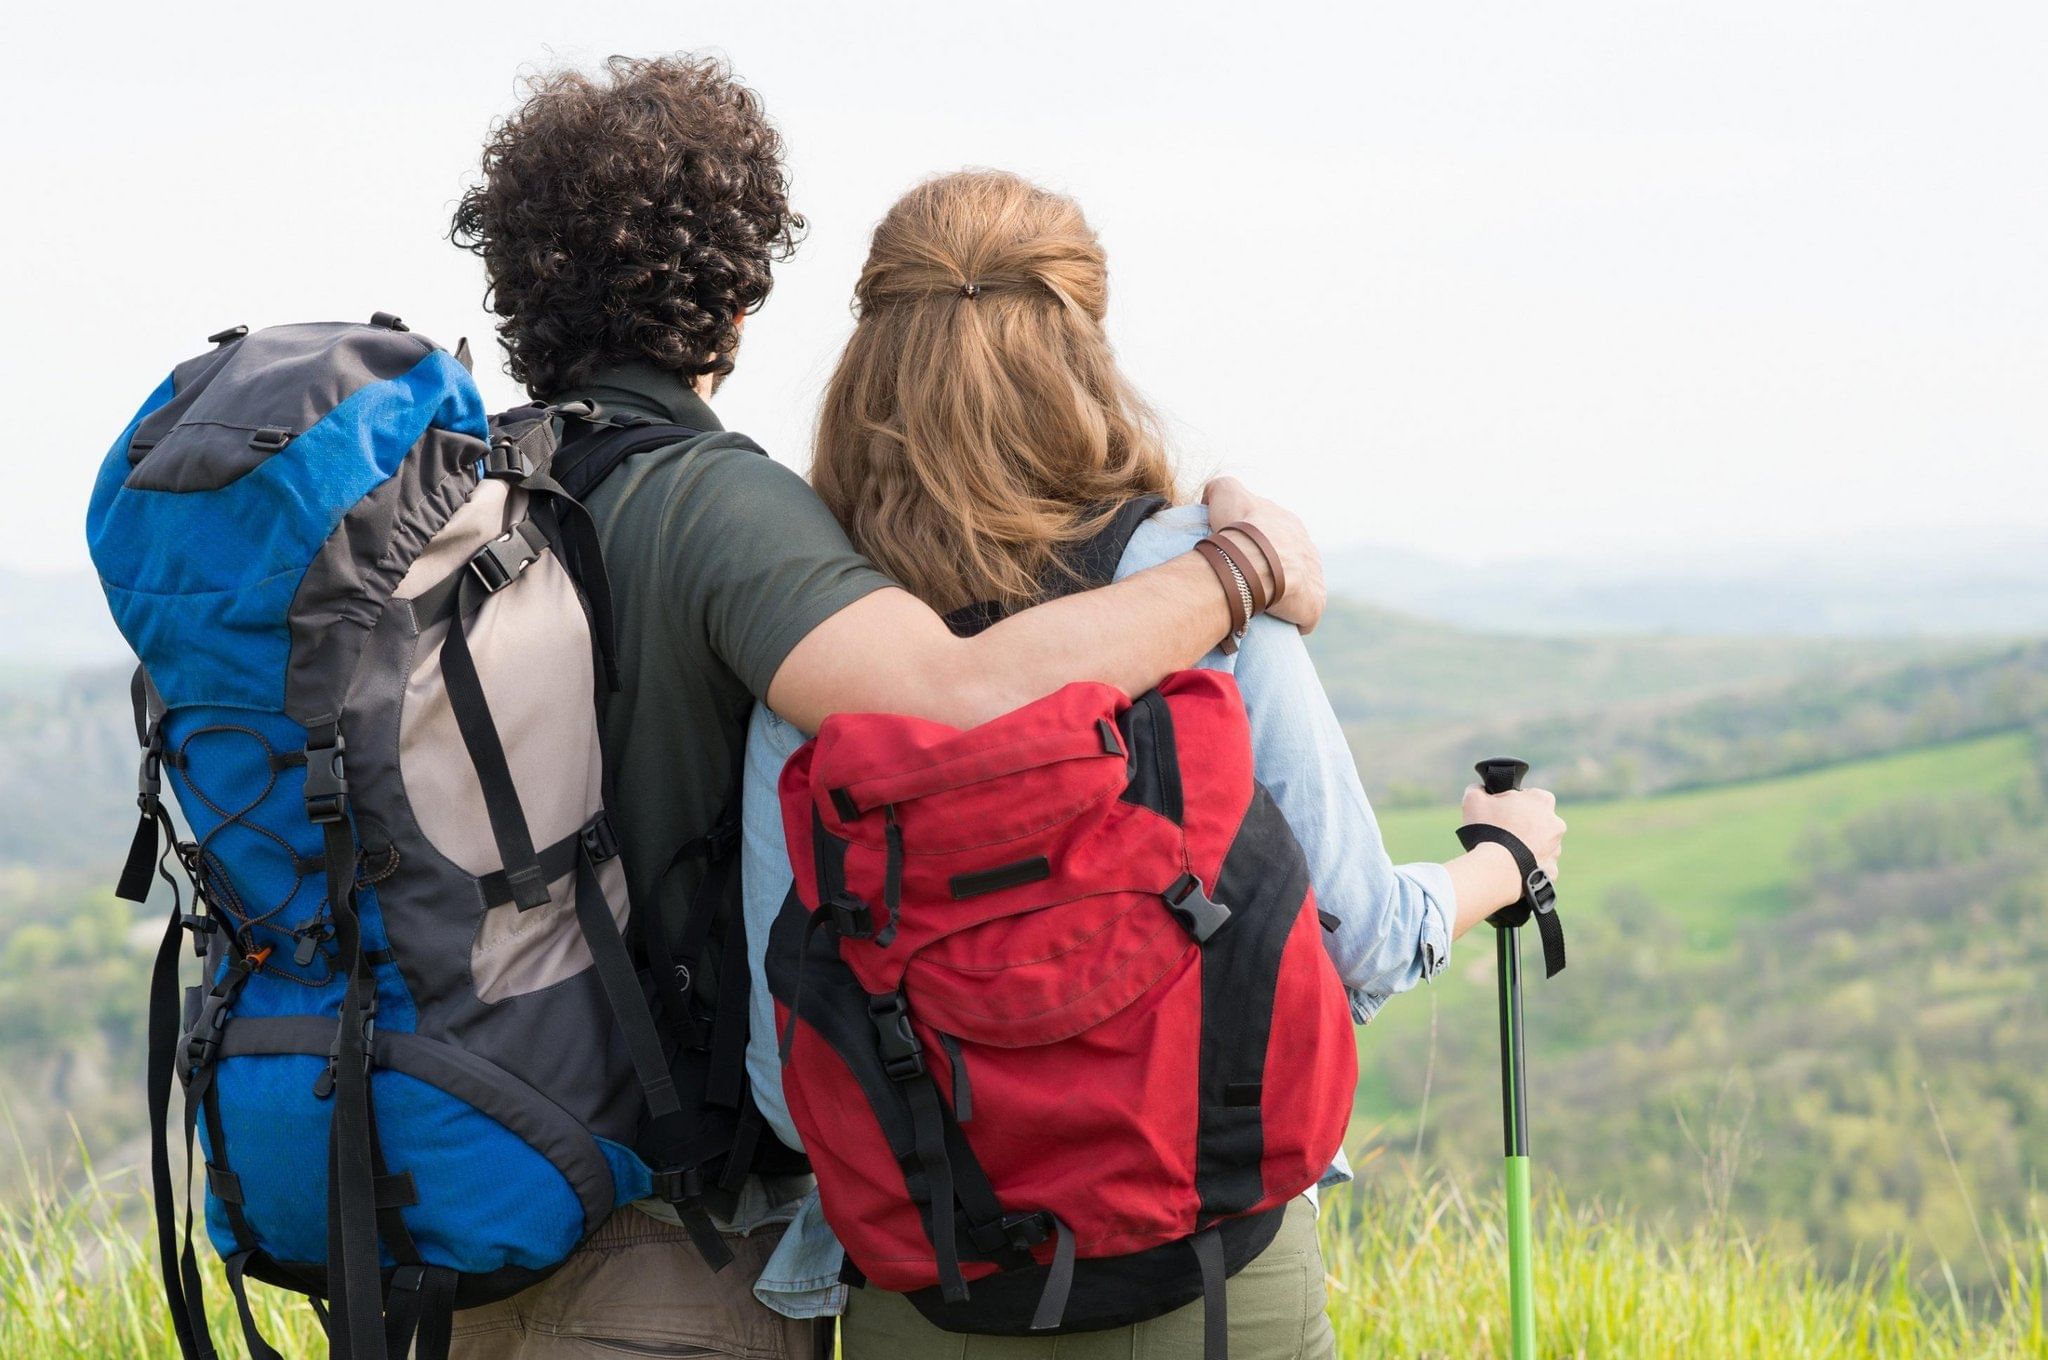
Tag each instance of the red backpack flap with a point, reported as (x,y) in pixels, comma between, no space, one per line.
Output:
(1074,986)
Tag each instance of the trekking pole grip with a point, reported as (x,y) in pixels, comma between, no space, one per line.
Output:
(1502,774)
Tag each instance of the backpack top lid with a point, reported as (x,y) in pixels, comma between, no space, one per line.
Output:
(254,516)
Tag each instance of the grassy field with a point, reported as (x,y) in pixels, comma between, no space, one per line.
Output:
(1724,855)
(1414,1271)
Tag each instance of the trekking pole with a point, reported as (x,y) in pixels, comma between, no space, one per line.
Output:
(1538,897)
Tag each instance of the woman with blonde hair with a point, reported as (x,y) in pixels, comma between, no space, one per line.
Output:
(976,441)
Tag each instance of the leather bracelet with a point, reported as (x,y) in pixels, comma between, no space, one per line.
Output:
(1237,594)
(1253,585)
(1265,547)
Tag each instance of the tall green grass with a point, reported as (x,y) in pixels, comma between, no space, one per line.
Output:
(1419,1271)
(1415,1271)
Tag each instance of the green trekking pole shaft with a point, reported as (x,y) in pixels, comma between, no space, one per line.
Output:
(1501,776)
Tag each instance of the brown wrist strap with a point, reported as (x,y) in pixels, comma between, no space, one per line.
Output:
(1236,554)
(1265,547)
(1224,566)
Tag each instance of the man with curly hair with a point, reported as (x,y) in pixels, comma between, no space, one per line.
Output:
(628,223)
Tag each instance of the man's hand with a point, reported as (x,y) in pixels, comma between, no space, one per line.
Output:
(1230,501)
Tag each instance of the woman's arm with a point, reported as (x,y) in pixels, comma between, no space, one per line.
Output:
(1395,923)
(765,880)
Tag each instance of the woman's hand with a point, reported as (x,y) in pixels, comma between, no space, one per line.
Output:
(1229,502)
(1485,877)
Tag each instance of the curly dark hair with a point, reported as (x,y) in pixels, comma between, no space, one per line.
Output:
(632,215)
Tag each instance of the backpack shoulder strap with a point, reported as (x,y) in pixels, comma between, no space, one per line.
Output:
(585,460)
(1095,560)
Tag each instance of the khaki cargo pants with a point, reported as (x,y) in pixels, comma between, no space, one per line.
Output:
(638,1288)
(1276,1313)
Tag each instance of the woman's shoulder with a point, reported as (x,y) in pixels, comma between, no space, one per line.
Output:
(1163,536)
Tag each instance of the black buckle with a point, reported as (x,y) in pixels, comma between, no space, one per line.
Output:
(149,780)
(851,917)
(505,459)
(203,1042)
(327,781)
(499,562)
(1194,908)
(600,841)
(323,1085)
(202,928)
(1014,1232)
(902,1051)
(1539,892)
(678,1187)
(270,439)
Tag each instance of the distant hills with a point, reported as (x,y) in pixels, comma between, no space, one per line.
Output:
(1937,582)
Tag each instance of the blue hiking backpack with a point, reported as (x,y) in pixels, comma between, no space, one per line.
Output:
(426,1058)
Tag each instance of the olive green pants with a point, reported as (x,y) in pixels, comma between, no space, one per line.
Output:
(1276,1313)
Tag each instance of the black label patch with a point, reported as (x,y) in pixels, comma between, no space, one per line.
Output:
(1001,877)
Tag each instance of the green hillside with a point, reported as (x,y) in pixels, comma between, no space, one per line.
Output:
(1719,856)
(1789,1000)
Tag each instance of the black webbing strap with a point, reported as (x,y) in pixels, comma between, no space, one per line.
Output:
(556,861)
(571,531)
(421,1319)
(621,983)
(583,462)
(496,565)
(237,1269)
(354,1268)
(391,1194)
(963,1094)
(507,816)
(220,1175)
(667,1134)
(928,1122)
(180,1270)
(1538,899)
(1208,1247)
(1059,1280)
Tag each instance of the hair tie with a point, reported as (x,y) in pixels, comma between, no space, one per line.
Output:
(970,290)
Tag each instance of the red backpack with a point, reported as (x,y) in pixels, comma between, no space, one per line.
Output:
(1062,976)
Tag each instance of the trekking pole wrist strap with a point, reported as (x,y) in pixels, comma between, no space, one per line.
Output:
(1539,895)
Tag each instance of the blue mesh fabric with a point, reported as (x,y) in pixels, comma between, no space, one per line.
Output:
(487,1199)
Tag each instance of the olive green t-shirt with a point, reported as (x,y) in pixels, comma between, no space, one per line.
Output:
(721,560)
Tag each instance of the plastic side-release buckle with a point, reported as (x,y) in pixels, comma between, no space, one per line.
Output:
(600,841)
(678,1186)
(1195,909)
(501,561)
(149,780)
(852,918)
(1015,1232)
(327,781)
(902,1052)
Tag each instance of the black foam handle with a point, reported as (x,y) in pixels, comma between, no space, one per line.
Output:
(1501,774)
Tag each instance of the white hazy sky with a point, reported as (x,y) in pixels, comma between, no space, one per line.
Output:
(1570,277)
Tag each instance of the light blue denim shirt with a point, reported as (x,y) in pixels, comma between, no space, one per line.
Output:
(1393,922)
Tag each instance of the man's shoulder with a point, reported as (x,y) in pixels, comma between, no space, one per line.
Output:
(721,467)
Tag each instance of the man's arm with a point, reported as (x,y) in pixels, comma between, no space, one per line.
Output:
(888,652)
